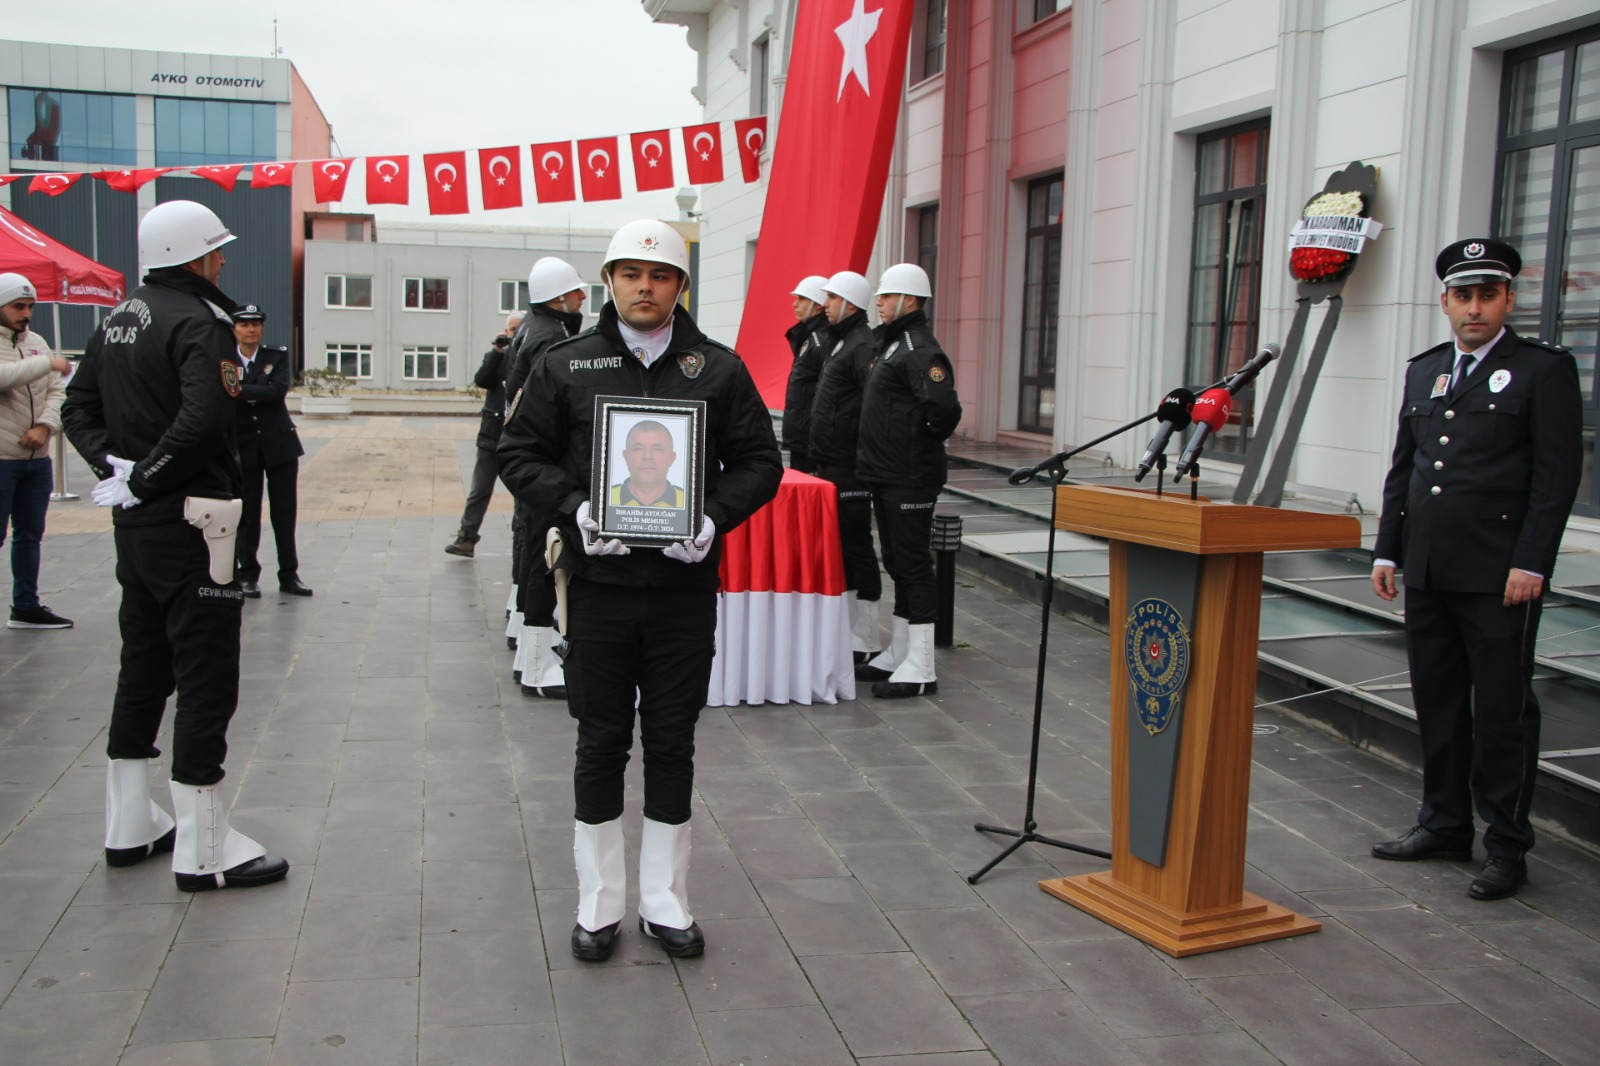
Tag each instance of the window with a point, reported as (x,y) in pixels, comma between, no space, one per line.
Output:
(928,242)
(598,298)
(350,290)
(427,294)
(933,14)
(1042,9)
(513,296)
(760,74)
(1225,270)
(1041,293)
(1548,204)
(351,360)
(200,132)
(427,362)
(58,127)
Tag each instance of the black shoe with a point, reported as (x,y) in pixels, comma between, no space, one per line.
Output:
(871,673)
(679,943)
(549,692)
(461,546)
(251,590)
(1500,879)
(596,946)
(134,856)
(293,586)
(511,643)
(262,871)
(40,617)
(1420,843)
(904,690)
(862,657)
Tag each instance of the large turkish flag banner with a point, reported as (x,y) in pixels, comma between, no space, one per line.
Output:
(328,177)
(652,160)
(598,164)
(500,175)
(447,182)
(388,179)
(847,72)
(702,151)
(552,172)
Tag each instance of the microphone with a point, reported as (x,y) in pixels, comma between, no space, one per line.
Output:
(1248,373)
(1211,411)
(1173,414)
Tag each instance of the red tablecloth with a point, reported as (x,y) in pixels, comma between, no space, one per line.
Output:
(783,620)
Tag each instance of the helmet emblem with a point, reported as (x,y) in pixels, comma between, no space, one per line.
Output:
(649,243)
(1474,250)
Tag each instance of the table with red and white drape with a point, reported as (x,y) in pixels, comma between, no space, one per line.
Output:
(783,621)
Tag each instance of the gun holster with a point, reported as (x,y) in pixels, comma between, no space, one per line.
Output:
(554,547)
(219,521)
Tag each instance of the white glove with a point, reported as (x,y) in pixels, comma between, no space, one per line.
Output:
(114,492)
(123,467)
(693,551)
(592,543)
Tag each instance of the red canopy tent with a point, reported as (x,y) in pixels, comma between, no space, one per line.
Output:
(59,274)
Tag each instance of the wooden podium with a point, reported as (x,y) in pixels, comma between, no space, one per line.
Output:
(1192,899)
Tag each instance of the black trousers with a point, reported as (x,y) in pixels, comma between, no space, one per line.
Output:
(180,631)
(536,589)
(855,531)
(282,484)
(642,652)
(800,459)
(905,531)
(479,492)
(1471,678)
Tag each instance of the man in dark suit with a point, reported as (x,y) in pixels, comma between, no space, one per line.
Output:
(1486,466)
(269,450)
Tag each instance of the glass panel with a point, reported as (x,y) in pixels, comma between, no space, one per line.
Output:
(1212,165)
(1535,94)
(1580,278)
(357,292)
(166,129)
(335,290)
(1246,159)
(71,127)
(1053,209)
(413,298)
(1586,84)
(1525,221)
(436,294)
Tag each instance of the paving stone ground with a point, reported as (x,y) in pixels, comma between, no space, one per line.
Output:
(381,745)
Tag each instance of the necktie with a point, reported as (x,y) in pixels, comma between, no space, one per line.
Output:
(1463,368)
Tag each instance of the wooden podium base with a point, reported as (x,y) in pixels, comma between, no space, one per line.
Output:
(1178,933)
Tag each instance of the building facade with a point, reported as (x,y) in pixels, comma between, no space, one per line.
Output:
(1104,191)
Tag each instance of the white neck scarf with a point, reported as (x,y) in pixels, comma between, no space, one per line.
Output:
(646,347)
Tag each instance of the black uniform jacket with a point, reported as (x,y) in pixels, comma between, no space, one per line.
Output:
(159,385)
(836,411)
(267,435)
(1483,477)
(492,380)
(541,327)
(806,340)
(548,442)
(909,408)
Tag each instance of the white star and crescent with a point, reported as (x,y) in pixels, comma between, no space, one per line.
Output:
(554,163)
(444,185)
(853,34)
(500,179)
(605,161)
(387,162)
(705,153)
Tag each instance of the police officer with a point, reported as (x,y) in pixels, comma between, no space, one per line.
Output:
(1486,466)
(491,379)
(269,450)
(805,339)
(908,411)
(557,293)
(835,427)
(152,409)
(641,621)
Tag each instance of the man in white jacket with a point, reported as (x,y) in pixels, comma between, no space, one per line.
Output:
(31,390)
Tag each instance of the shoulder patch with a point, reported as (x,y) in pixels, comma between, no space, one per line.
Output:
(709,343)
(220,313)
(1549,346)
(230,378)
(937,373)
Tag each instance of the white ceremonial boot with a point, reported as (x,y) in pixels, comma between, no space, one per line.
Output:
(597,852)
(519,662)
(543,674)
(914,676)
(135,827)
(881,666)
(513,620)
(864,639)
(211,854)
(664,890)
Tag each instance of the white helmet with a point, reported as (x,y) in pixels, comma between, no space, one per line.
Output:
(178,232)
(649,241)
(905,279)
(811,288)
(850,285)
(552,277)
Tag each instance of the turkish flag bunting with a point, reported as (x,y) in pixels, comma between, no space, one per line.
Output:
(447,183)
(388,179)
(500,176)
(553,178)
(225,176)
(328,177)
(846,72)
(129,180)
(702,151)
(652,160)
(597,160)
(271,175)
(751,133)
(54,184)
(7,179)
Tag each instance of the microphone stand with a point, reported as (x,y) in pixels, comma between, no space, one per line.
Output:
(1056,468)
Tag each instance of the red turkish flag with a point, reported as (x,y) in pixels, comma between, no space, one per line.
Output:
(271,175)
(447,183)
(652,160)
(53,184)
(846,72)
(388,179)
(552,172)
(226,176)
(129,180)
(751,135)
(702,151)
(597,162)
(328,178)
(500,177)
(7,179)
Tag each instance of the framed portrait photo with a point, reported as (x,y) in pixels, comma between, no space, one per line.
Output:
(647,485)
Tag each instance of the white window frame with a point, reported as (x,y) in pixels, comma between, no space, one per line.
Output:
(336,351)
(411,353)
(445,310)
(344,291)
(598,298)
(520,300)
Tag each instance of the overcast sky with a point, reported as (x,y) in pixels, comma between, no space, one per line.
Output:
(412,77)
